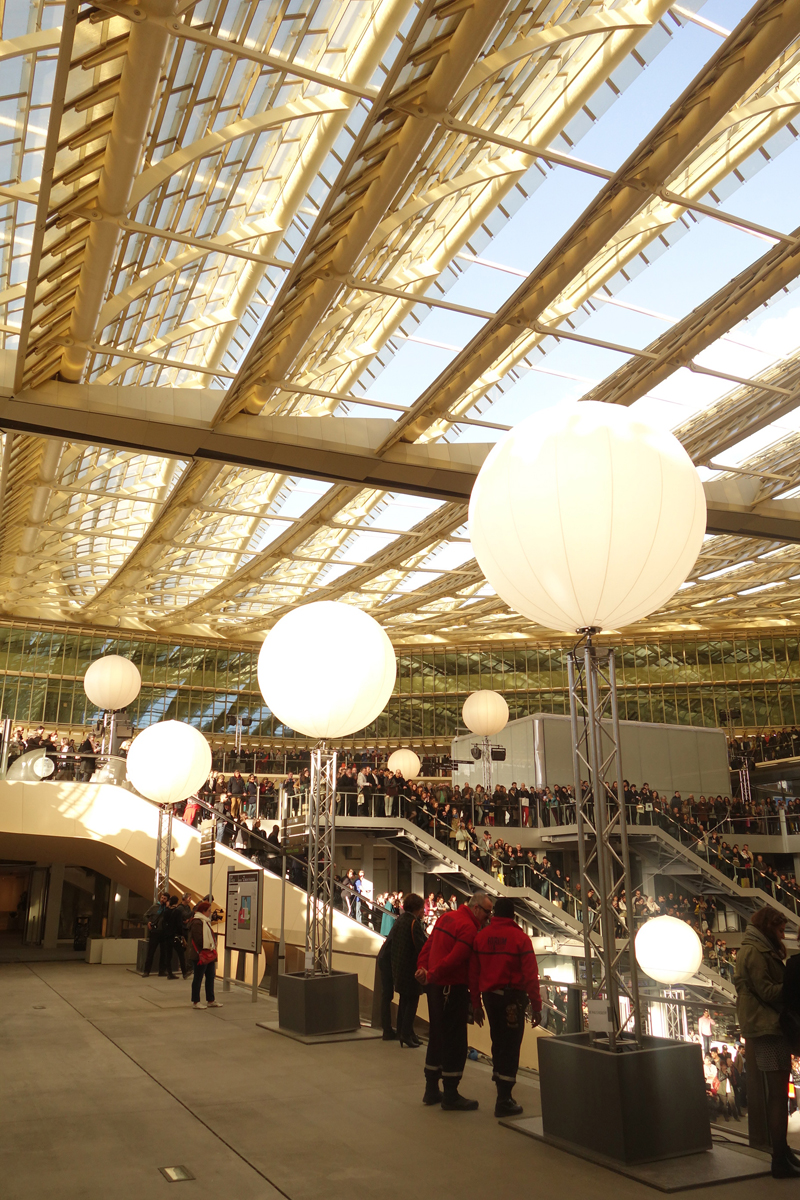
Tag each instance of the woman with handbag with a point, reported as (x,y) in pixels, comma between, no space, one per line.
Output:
(202,953)
(759,981)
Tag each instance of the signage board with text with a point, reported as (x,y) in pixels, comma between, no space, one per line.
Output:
(243,911)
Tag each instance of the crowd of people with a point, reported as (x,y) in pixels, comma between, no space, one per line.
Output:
(703,836)
(269,760)
(70,761)
(750,748)
(510,865)
(242,808)
(474,964)
(725,1075)
(178,929)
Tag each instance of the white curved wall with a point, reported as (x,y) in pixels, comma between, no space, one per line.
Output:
(114,831)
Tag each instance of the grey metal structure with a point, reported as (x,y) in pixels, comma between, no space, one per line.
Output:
(686,758)
(486,760)
(321,851)
(163,850)
(602,833)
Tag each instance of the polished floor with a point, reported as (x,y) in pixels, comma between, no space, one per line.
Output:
(108,1077)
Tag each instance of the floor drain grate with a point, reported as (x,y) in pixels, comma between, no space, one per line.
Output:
(176,1174)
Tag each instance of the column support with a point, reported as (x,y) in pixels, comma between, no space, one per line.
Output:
(321,861)
(603,852)
(163,850)
(52,914)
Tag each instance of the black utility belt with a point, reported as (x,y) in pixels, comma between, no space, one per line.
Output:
(511,995)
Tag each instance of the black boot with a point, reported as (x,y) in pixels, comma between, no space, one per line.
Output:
(433,1093)
(782,1165)
(506,1105)
(784,1168)
(389,1035)
(453,1101)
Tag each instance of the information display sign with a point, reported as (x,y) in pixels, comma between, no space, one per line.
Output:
(208,844)
(243,911)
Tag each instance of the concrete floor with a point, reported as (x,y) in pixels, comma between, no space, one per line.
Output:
(107,1077)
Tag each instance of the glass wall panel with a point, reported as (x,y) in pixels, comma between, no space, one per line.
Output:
(753,680)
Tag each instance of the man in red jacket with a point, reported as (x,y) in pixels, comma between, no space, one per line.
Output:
(443,965)
(504,974)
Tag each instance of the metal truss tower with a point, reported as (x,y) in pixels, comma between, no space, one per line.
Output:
(321,852)
(603,854)
(163,850)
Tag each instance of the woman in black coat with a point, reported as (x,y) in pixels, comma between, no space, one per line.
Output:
(408,938)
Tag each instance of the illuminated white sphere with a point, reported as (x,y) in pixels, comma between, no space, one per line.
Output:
(585,515)
(406,762)
(43,767)
(668,950)
(485,713)
(326,669)
(112,682)
(169,761)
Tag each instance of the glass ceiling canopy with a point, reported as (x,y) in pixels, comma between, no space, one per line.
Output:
(394,228)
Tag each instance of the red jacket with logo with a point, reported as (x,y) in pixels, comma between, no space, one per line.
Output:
(447,952)
(503,957)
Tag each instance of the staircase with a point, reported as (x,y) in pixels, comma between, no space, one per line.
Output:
(665,855)
(723,987)
(435,857)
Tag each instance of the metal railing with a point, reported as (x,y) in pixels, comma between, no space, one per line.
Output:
(463,842)
(764,748)
(255,845)
(745,874)
(444,823)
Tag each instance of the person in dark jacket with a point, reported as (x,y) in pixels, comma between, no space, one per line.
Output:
(237,785)
(185,909)
(384,961)
(759,980)
(408,938)
(172,925)
(154,918)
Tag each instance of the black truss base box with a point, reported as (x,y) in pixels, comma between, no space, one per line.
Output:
(314,1004)
(635,1106)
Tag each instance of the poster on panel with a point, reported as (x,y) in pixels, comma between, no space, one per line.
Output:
(243,911)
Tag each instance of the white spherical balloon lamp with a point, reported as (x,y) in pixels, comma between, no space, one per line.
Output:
(326,669)
(585,516)
(112,682)
(668,950)
(485,713)
(406,762)
(169,761)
